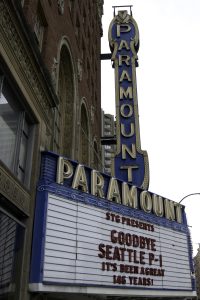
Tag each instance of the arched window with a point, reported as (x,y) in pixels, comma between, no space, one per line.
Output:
(84,137)
(64,113)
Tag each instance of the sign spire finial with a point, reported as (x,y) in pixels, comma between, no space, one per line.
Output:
(129,6)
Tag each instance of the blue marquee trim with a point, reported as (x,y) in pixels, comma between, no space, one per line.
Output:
(39,232)
(190,255)
(76,195)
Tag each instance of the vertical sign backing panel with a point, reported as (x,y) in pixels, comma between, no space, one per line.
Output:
(130,162)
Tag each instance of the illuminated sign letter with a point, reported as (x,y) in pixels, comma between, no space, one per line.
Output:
(129,195)
(130,133)
(179,207)
(131,152)
(123,110)
(128,93)
(123,45)
(129,169)
(146,201)
(124,59)
(113,191)
(158,205)
(64,170)
(80,180)
(125,76)
(97,184)
(123,28)
(169,209)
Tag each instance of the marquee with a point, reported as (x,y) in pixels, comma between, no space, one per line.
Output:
(83,243)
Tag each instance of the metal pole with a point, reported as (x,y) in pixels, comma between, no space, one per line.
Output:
(192,194)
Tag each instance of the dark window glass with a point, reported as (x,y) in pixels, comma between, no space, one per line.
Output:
(11,245)
(15,132)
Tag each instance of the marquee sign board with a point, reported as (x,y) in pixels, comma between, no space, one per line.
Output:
(130,162)
(86,244)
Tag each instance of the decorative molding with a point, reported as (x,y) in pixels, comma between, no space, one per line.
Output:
(54,72)
(80,69)
(92,114)
(61,6)
(17,52)
(13,191)
(100,13)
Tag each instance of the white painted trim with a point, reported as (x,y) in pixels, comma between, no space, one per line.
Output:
(40,287)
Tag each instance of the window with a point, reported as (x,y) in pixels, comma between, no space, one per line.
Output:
(39,27)
(63,120)
(11,251)
(15,132)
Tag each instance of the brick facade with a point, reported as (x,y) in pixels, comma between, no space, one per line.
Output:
(50,76)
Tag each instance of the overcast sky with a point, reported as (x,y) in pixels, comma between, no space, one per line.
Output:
(168,83)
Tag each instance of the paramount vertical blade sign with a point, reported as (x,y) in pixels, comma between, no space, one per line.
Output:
(130,162)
